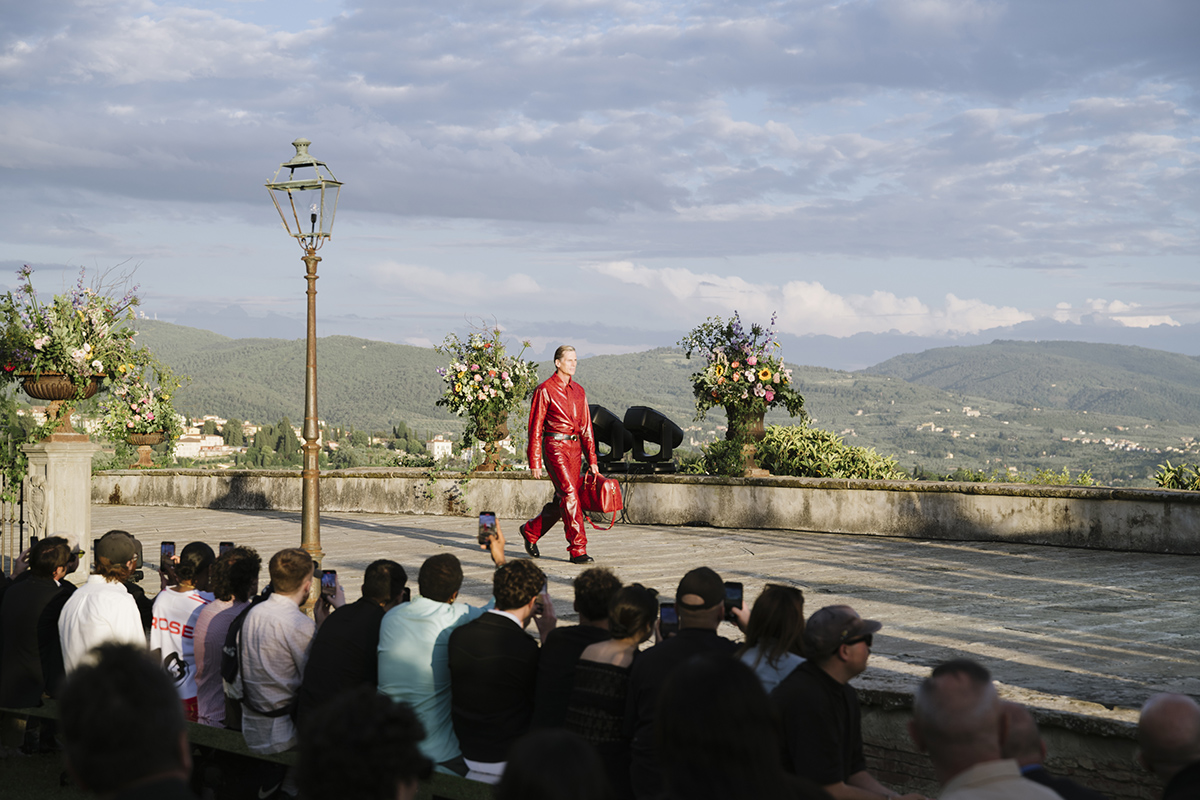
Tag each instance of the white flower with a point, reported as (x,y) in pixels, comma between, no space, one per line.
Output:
(41,342)
(97,365)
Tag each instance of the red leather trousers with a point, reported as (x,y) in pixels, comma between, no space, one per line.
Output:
(563,460)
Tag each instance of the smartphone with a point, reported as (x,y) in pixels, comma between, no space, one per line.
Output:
(165,553)
(539,607)
(733,598)
(328,581)
(487,525)
(406,595)
(225,547)
(95,546)
(668,619)
(33,540)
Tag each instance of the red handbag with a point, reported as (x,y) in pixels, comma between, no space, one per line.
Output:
(601,495)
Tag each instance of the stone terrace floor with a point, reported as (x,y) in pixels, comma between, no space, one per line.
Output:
(1081,630)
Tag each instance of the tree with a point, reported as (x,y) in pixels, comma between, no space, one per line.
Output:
(210,428)
(232,433)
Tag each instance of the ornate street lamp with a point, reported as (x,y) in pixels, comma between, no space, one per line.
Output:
(307,203)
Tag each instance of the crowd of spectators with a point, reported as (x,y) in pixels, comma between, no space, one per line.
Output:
(378,694)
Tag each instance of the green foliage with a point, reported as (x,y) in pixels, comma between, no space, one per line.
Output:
(806,452)
(210,428)
(1039,476)
(724,457)
(404,459)
(274,446)
(1184,476)
(232,433)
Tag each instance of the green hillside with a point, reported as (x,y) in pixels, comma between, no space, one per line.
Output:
(1117,411)
(1097,378)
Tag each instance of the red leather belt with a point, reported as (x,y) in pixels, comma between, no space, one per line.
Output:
(561,437)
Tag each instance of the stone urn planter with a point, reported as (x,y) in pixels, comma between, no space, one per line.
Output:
(747,426)
(144,442)
(57,389)
(491,449)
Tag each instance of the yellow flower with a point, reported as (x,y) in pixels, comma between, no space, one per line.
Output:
(121,368)
(764,374)
(458,388)
(718,370)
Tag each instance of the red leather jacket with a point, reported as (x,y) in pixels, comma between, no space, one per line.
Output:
(559,408)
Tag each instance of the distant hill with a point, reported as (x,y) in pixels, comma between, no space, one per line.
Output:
(1116,410)
(1098,378)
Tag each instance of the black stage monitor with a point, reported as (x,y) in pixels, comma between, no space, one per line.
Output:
(609,432)
(650,427)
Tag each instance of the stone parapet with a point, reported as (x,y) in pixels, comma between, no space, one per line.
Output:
(1154,521)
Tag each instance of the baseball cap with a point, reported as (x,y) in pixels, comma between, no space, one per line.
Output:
(705,584)
(116,547)
(831,627)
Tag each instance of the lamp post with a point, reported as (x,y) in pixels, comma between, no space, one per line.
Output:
(318,192)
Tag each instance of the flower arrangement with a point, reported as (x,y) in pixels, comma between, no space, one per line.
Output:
(483,382)
(138,404)
(743,371)
(81,335)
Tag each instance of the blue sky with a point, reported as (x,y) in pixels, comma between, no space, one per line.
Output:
(609,173)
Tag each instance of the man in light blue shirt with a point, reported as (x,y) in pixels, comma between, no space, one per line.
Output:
(413,656)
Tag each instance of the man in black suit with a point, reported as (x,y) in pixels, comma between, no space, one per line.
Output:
(594,588)
(22,682)
(344,651)
(493,669)
(1023,744)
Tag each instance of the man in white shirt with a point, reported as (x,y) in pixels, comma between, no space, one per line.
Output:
(102,610)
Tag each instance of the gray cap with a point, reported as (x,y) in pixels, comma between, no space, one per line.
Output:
(833,626)
(116,547)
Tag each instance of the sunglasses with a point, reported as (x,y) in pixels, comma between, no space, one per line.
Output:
(869,639)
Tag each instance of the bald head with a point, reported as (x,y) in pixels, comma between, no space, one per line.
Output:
(1022,741)
(956,718)
(1169,734)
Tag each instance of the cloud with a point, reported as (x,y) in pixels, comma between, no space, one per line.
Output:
(433,284)
(808,307)
(1118,312)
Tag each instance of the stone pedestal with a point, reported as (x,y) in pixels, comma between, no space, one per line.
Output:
(58,490)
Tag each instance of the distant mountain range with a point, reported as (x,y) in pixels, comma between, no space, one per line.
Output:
(1024,398)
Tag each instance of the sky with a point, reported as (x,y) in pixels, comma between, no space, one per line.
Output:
(609,173)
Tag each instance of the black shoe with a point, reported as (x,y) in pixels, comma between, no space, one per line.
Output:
(530,547)
(582,558)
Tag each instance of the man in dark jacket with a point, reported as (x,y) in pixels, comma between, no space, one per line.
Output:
(22,682)
(493,669)
(344,652)
(594,588)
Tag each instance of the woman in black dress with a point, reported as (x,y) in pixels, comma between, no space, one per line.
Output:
(597,708)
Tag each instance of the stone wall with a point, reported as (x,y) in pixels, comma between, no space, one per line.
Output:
(1154,521)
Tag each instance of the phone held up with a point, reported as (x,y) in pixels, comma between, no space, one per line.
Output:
(733,598)
(668,619)
(225,547)
(166,552)
(487,526)
(329,582)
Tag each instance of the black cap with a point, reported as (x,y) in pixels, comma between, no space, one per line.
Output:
(705,584)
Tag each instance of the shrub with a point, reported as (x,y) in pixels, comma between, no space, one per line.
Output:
(806,452)
(1184,476)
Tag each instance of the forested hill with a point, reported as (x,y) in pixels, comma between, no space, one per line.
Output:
(1097,378)
(367,384)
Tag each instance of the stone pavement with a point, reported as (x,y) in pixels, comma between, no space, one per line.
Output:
(1082,630)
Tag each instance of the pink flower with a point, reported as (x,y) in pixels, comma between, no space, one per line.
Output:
(129,424)
(752,360)
(150,415)
(504,375)
(770,395)
(475,368)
